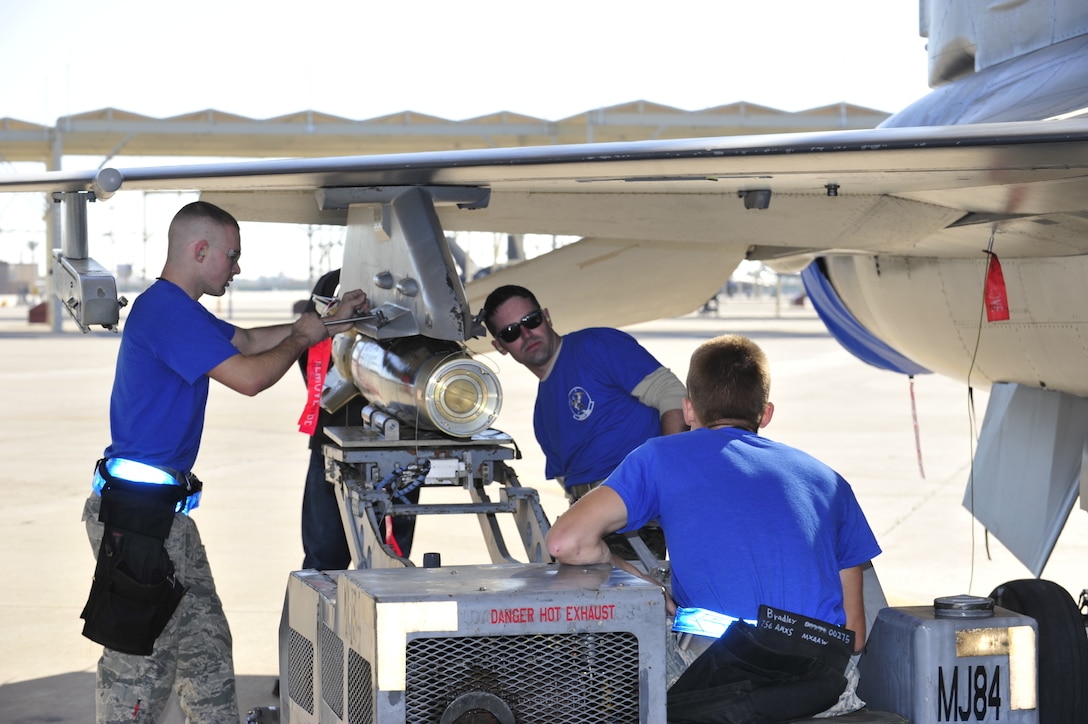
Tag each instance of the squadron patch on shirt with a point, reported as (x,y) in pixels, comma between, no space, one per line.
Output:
(581,404)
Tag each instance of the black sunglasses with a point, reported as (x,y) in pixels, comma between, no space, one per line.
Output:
(511,332)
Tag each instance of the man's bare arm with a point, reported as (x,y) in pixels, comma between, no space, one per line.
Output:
(259,366)
(253,373)
(260,339)
(673,422)
(853,601)
(577,536)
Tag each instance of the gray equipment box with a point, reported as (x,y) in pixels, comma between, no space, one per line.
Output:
(960,660)
(527,643)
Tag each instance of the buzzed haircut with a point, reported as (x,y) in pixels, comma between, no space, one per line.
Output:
(201,210)
(499,297)
(729,379)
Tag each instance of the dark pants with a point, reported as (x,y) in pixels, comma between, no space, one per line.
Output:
(324,541)
(745,678)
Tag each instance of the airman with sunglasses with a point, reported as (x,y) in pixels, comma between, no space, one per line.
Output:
(601,394)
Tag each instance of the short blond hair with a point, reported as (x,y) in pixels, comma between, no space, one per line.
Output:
(198,211)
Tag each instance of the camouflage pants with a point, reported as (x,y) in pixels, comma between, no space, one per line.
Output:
(193,655)
(677,660)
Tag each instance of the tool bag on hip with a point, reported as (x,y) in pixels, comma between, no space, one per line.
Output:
(135,591)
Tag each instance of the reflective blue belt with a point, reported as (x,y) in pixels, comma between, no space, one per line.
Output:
(704,622)
(136,472)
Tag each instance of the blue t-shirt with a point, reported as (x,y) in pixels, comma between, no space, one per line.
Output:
(748,521)
(160,390)
(586,419)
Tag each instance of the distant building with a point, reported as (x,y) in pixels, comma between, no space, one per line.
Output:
(21,279)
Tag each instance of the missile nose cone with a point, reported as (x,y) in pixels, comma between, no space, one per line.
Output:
(466,397)
(427,383)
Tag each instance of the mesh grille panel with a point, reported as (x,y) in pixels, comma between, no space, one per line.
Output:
(300,671)
(543,678)
(332,670)
(360,690)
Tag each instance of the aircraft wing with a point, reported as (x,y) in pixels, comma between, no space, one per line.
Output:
(664,223)
(901,218)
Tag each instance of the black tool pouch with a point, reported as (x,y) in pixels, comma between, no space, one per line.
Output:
(134,592)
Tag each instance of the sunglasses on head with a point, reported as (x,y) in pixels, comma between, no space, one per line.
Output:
(511,332)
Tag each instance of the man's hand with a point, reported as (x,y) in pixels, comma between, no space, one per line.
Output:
(268,352)
(315,328)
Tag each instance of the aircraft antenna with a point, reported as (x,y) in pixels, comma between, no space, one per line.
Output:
(983,311)
(917,433)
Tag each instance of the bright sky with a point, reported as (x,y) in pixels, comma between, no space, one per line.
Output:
(455,60)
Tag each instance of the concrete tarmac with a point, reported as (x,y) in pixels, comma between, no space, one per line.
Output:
(55,389)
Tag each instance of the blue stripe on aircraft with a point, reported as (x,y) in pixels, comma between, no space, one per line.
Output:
(844,327)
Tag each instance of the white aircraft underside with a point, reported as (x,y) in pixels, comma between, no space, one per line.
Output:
(663,226)
(902,215)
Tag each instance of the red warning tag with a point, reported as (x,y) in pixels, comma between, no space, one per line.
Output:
(317,366)
(997,298)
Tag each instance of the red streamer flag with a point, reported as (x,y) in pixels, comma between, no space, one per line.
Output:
(317,366)
(997,298)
